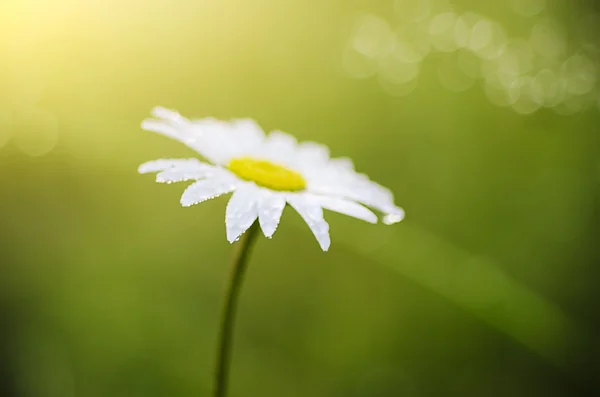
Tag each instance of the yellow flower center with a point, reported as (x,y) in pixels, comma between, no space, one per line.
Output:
(267,174)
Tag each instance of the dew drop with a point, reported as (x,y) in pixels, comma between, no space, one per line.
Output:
(390,219)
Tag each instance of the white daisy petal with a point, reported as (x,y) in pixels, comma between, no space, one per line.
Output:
(164,164)
(167,114)
(175,126)
(249,129)
(281,139)
(265,172)
(220,141)
(346,207)
(313,153)
(343,163)
(279,147)
(312,213)
(215,140)
(241,211)
(378,197)
(270,208)
(396,215)
(345,183)
(374,189)
(248,136)
(186,173)
(206,189)
(161,127)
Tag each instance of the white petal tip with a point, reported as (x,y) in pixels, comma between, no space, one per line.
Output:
(162,179)
(325,243)
(146,168)
(372,219)
(150,125)
(233,237)
(234,232)
(186,203)
(395,217)
(164,113)
(268,231)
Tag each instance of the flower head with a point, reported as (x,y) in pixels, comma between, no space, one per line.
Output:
(265,172)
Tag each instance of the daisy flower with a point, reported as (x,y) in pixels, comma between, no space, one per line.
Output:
(265,172)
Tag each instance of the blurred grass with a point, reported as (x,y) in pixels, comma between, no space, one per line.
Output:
(109,287)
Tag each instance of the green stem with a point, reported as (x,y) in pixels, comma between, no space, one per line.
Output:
(240,260)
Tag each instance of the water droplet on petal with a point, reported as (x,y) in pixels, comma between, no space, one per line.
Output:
(390,219)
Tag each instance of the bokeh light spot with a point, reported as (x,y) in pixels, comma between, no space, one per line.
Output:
(525,72)
(414,36)
(580,74)
(394,69)
(373,36)
(481,35)
(488,39)
(525,95)
(408,52)
(441,31)
(462,32)
(548,39)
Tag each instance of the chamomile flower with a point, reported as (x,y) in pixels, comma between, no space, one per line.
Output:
(265,172)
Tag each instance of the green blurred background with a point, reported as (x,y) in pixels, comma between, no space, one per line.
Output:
(487,132)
